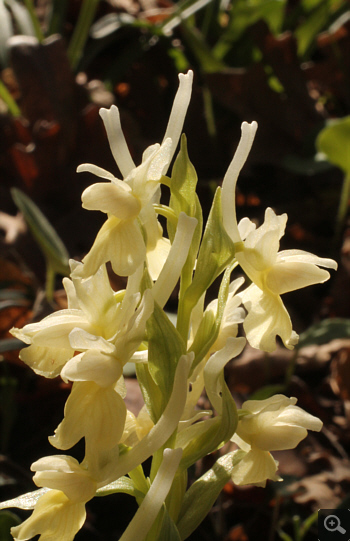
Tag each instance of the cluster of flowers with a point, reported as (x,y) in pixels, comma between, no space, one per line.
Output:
(89,343)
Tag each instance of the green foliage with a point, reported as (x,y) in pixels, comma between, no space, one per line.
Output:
(325,331)
(202,495)
(7,520)
(54,251)
(165,346)
(334,143)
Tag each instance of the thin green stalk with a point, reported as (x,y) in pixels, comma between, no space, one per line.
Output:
(167,212)
(35,21)
(58,12)
(343,204)
(81,32)
(50,281)
(8,99)
(209,112)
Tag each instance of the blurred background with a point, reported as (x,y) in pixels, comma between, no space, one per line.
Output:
(283,63)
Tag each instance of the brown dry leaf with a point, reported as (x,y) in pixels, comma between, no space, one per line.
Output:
(324,490)
(340,375)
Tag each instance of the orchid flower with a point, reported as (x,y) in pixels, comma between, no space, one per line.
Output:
(128,202)
(92,307)
(272,272)
(60,512)
(273,424)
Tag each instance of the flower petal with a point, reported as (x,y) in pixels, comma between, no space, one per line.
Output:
(117,142)
(287,276)
(255,468)
(121,243)
(179,110)
(267,317)
(66,474)
(54,517)
(111,198)
(230,180)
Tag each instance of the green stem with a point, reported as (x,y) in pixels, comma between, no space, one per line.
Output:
(50,281)
(8,99)
(343,204)
(139,480)
(35,21)
(58,13)
(81,32)
(184,316)
(167,212)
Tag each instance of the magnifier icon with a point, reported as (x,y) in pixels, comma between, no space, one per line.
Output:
(332,524)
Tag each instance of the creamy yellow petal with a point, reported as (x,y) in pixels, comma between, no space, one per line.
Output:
(121,243)
(111,198)
(92,412)
(179,110)
(117,142)
(255,468)
(288,276)
(47,362)
(267,317)
(55,517)
(103,369)
(230,180)
(64,473)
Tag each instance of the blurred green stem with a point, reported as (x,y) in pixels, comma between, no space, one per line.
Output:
(31,10)
(343,204)
(8,99)
(50,280)
(58,12)
(81,32)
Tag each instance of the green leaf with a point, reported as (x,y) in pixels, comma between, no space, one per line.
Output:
(334,142)
(55,252)
(243,15)
(184,199)
(45,235)
(202,495)
(215,254)
(201,50)
(7,520)
(207,436)
(325,331)
(163,528)
(209,327)
(151,393)
(315,21)
(183,188)
(122,485)
(165,347)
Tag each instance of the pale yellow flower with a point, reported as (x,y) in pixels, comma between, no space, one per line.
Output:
(273,424)
(92,307)
(272,272)
(129,202)
(59,513)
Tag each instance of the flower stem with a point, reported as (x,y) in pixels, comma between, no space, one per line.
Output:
(343,205)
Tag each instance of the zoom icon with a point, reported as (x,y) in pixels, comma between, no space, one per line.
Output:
(334,524)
